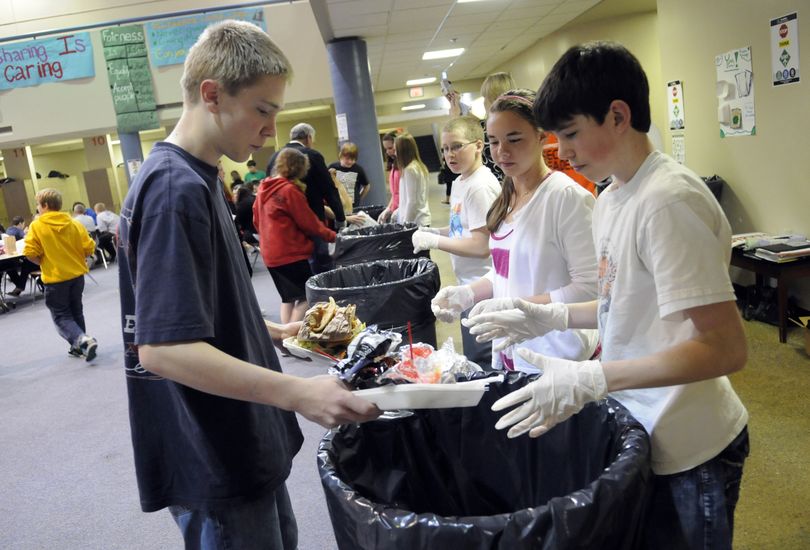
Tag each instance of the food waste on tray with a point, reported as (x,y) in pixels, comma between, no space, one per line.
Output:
(328,328)
(376,358)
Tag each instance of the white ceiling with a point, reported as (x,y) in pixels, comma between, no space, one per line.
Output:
(398,32)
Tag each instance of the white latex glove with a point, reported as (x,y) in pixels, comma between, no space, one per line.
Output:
(560,392)
(423,240)
(524,321)
(451,301)
(383,216)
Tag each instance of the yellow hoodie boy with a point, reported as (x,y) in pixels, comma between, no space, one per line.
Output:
(61,243)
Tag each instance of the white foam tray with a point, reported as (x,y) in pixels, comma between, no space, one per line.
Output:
(428,396)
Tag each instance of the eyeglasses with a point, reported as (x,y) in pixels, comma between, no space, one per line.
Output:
(455,148)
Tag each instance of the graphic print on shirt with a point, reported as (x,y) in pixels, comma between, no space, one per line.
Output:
(500,256)
(606,277)
(348,179)
(456,230)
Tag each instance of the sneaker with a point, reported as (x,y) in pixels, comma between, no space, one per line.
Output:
(74,352)
(16,292)
(88,346)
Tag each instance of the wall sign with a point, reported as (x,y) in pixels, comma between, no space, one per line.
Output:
(676,105)
(170,39)
(735,93)
(130,78)
(785,49)
(35,62)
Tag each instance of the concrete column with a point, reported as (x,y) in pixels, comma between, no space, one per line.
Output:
(354,103)
(132,154)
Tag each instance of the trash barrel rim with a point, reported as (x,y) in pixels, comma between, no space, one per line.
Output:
(428,269)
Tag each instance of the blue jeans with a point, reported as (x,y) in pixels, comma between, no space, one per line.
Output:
(695,509)
(267,523)
(64,300)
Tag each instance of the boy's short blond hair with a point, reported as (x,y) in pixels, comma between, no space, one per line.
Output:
(468,126)
(50,198)
(234,53)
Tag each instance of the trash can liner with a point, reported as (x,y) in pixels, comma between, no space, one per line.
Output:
(388,293)
(373,210)
(445,478)
(379,242)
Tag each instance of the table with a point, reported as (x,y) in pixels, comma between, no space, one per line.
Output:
(8,261)
(784,273)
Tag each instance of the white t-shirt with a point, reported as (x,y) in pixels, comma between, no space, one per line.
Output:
(86,221)
(470,200)
(107,221)
(548,247)
(413,205)
(662,239)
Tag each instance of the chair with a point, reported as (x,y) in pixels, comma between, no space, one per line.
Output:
(99,250)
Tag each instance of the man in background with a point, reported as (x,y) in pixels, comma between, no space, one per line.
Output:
(107,224)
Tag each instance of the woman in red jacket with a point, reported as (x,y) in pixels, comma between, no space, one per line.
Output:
(286,226)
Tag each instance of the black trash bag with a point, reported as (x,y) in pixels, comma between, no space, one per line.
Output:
(388,293)
(446,479)
(373,210)
(386,241)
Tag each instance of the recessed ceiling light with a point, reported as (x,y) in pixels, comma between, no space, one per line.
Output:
(420,81)
(441,54)
(413,107)
(467,1)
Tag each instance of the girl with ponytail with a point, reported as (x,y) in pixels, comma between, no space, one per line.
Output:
(540,240)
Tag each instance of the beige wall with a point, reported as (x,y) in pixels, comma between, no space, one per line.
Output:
(326,141)
(637,32)
(769,188)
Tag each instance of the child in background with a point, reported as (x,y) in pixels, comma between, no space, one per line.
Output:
(286,226)
(413,182)
(393,177)
(467,236)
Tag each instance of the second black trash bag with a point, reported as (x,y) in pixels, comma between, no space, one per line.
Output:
(445,478)
(387,241)
(388,293)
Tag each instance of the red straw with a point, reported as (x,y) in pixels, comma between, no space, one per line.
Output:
(333,358)
(410,340)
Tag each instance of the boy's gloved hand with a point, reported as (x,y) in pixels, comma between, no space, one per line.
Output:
(524,321)
(450,301)
(423,240)
(560,392)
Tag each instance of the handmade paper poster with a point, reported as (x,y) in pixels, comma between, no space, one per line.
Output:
(35,62)
(735,93)
(675,102)
(785,49)
(170,39)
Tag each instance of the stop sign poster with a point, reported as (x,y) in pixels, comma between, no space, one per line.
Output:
(785,49)
(675,102)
